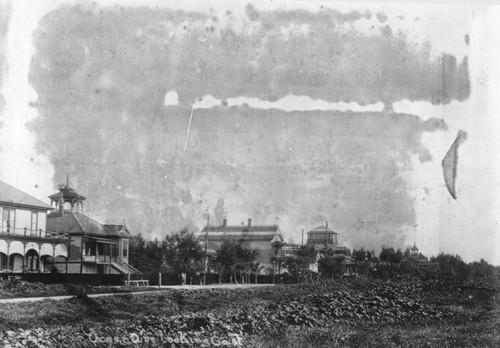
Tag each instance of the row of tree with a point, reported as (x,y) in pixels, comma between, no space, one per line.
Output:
(182,253)
(390,263)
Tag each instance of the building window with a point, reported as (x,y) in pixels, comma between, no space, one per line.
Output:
(125,247)
(8,218)
(101,249)
(89,249)
(34,223)
(32,260)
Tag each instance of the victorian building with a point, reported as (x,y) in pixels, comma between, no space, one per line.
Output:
(263,238)
(322,239)
(25,243)
(325,241)
(93,247)
(413,259)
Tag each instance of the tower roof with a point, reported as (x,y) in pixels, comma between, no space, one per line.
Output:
(322,229)
(68,194)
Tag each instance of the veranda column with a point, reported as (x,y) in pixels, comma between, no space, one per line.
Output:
(53,255)
(24,252)
(8,255)
(96,256)
(81,255)
(67,256)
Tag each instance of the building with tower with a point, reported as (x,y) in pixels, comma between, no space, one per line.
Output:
(413,259)
(325,241)
(322,239)
(93,247)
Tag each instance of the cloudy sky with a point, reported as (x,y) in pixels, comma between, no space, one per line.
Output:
(288,112)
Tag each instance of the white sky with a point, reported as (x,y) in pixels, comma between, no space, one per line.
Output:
(470,223)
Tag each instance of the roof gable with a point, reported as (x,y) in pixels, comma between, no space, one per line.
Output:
(13,196)
(76,222)
(63,224)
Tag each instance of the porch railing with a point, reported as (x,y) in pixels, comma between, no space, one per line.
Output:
(27,232)
(100,258)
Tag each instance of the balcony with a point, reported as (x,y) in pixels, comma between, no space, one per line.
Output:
(98,258)
(26,233)
(283,254)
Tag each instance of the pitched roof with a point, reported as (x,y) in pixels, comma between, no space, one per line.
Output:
(68,193)
(13,196)
(76,222)
(322,229)
(242,228)
(242,237)
(242,233)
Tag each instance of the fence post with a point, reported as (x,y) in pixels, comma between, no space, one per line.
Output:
(128,278)
(159,280)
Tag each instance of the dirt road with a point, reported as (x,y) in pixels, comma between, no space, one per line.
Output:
(163,288)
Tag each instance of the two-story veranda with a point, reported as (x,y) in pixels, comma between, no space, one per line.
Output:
(25,245)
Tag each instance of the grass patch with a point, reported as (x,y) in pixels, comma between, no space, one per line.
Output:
(50,313)
(357,314)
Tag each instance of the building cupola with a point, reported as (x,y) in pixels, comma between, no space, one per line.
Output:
(65,195)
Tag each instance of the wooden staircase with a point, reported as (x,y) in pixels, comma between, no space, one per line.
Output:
(123,268)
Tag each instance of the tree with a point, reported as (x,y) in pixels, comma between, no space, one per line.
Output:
(146,256)
(483,271)
(234,260)
(451,266)
(182,253)
(360,255)
(328,265)
(244,260)
(256,268)
(390,255)
(300,264)
(217,266)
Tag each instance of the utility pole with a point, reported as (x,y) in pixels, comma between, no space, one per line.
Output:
(302,237)
(206,246)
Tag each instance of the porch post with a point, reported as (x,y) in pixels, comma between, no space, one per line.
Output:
(96,256)
(274,271)
(109,257)
(8,255)
(81,254)
(67,254)
(24,252)
(53,255)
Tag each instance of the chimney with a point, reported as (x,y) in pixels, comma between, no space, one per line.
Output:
(224,222)
(249,222)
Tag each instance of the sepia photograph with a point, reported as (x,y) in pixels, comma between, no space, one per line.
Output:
(249,173)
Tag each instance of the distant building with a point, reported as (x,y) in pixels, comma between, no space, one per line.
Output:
(281,252)
(325,241)
(263,238)
(94,247)
(415,260)
(25,244)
